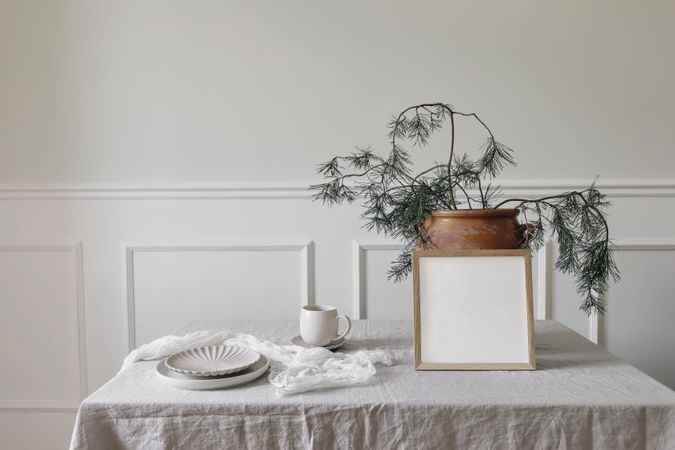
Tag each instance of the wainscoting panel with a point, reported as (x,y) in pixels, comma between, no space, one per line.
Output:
(642,303)
(565,304)
(34,430)
(41,327)
(375,296)
(167,284)
(152,260)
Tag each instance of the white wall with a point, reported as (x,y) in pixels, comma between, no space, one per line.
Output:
(175,91)
(156,154)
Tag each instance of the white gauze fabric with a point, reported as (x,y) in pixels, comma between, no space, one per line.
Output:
(293,369)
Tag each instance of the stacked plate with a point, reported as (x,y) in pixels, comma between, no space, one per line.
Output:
(212,367)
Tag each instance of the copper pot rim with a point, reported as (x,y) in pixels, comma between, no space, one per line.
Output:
(477,213)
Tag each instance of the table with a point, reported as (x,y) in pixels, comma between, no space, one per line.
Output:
(580,397)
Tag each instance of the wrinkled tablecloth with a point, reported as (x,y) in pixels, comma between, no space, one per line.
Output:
(580,397)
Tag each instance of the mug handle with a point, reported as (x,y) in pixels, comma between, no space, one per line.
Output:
(349,327)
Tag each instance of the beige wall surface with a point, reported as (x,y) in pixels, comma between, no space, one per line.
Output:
(175,91)
(155,157)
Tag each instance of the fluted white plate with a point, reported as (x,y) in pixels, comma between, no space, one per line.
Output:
(212,360)
(196,383)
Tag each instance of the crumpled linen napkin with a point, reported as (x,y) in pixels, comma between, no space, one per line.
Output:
(293,369)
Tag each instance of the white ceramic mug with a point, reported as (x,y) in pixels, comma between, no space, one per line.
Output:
(319,324)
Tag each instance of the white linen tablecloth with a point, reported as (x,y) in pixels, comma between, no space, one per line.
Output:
(579,397)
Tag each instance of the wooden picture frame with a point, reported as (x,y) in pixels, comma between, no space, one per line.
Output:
(473,310)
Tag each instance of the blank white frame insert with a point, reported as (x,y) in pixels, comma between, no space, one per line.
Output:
(473,310)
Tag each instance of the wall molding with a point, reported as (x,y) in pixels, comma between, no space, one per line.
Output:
(644,244)
(544,268)
(38,407)
(305,247)
(359,249)
(76,249)
(628,187)
(595,326)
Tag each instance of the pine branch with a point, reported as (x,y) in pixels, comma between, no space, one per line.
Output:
(396,202)
(577,221)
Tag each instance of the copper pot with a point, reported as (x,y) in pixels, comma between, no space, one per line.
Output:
(468,229)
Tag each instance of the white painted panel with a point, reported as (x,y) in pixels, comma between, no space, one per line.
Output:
(36,430)
(172,288)
(385,299)
(565,307)
(106,224)
(39,345)
(638,326)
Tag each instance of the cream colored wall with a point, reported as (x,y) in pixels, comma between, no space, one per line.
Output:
(175,91)
(129,127)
